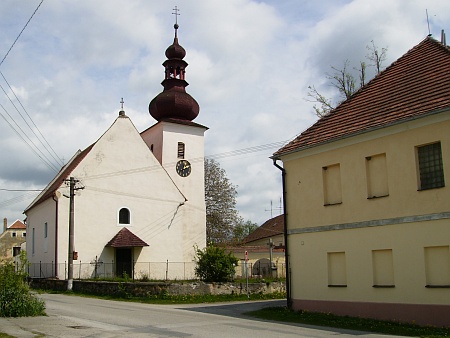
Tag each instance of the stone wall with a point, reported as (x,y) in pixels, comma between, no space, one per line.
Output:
(142,289)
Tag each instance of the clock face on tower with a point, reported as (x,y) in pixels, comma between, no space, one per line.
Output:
(183,168)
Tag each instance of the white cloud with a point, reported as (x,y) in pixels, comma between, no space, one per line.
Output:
(250,63)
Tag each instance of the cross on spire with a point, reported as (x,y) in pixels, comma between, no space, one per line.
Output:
(176,10)
(121,103)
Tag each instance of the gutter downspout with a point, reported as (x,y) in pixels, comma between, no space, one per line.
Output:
(286,252)
(55,198)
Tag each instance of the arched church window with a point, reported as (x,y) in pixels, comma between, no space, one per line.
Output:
(181,150)
(124,216)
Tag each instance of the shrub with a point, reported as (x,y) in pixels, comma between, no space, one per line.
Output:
(16,300)
(213,264)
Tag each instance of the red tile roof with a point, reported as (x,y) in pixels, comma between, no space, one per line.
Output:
(60,177)
(17,225)
(416,85)
(126,239)
(272,227)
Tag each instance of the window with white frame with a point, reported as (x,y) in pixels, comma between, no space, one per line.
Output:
(124,216)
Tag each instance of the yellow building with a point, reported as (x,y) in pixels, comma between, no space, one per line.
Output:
(367,207)
(11,239)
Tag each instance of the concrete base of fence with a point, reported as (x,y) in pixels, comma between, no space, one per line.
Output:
(142,289)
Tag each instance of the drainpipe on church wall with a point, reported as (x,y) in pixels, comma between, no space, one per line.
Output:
(286,252)
(55,197)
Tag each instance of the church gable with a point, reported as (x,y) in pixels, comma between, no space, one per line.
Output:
(121,161)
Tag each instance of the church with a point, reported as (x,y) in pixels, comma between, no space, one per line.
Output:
(136,199)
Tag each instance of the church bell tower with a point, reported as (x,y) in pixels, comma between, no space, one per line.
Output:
(177,141)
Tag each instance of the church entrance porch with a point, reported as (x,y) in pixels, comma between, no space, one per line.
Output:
(124,262)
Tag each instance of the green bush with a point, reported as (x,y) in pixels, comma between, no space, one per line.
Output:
(16,300)
(213,264)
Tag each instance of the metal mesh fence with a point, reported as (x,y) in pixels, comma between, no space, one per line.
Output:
(147,271)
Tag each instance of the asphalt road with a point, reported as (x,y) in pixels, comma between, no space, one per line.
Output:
(72,316)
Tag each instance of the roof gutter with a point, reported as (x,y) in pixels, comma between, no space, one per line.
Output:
(365,131)
(286,252)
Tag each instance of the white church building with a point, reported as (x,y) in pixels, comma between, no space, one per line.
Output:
(139,205)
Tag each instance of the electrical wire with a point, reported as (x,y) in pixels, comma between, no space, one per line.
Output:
(21,32)
(233,153)
(57,159)
(21,189)
(227,154)
(46,161)
(25,141)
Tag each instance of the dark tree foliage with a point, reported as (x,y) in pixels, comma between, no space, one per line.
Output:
(213,264)
(220,198)
(242,230)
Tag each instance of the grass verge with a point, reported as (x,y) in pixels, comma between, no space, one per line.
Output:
(5,335)
(283,314)
(165,298)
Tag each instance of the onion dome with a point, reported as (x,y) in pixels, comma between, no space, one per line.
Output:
(174,102)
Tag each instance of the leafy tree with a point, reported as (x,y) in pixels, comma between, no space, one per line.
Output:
(16,299)
(242,230)
(344,81)
(213,264)
(220,198)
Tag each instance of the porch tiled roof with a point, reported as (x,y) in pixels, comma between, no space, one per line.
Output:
(126,239)
(416,85)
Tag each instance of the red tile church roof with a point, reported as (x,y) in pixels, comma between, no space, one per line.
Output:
(414,86)
(126,239)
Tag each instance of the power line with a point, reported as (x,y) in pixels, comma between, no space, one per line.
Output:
(21,32)
(47,161)
(18,134)
(227,154)
(155,167)
(57,159)
(22,189)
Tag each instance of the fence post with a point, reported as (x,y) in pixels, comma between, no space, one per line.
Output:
(40,269)
(167,269)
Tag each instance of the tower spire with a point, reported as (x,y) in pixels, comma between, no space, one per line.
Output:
(174,102)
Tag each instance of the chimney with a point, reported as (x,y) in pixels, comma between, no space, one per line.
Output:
(5,224)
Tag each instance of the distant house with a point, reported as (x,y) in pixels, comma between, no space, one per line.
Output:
(265,249)
(12,238)
(270,231)
(139,206)
(368,208)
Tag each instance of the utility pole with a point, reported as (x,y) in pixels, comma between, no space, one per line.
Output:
(72,182)
(271,256)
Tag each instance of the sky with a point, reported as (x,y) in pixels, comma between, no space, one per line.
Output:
(250,65)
